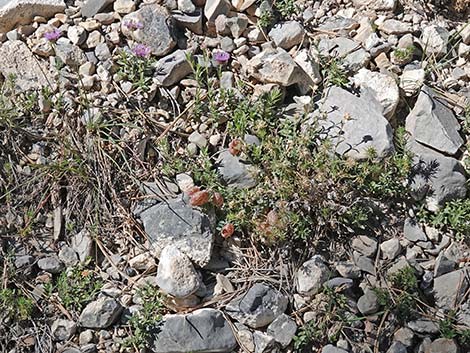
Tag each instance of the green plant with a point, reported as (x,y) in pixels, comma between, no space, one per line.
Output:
(402,298)
(405,54)
(454,216)
(285,7)
(77,287)
(15,306)
(334,73)
(265,19)
(148,319)
(332,317)
(136,69)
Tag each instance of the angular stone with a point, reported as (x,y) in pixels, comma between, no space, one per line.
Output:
(100,313)
(365,245)
(339,24)
(383,5)
(405,336)
(22,12)
(82,243)
(355,124)
(449,289)
(50,264)
(17,60)
(413,231)
(91,7)
(287,34)
(260,306)
(393,26)
(193,21)
(411,81)
(157,30)
(176,222)
(311,68)
(311,276)
(329,348)
(283,329)
(172,68)
(234,172)
(433,124)
(176,274)
(70,54)
(435,176)
(275,66)
(383,87)
(263,343)
(62,329)
(443,345)
(214,8)
(434,40)
(124,6)
(423,326)
(397,347)
(390,248)
(368,303)
(202,331)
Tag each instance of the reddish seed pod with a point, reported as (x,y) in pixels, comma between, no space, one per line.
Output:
(217,199)
(235,147)
(199,198)
(192,190)
(227,230)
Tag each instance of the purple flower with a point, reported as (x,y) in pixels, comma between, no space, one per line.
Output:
(52,35)
(141,50)
(133,25)
(221,57)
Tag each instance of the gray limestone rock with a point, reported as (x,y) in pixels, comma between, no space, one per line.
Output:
(260,306)
(311,276)
(100,313)
(235,172)
(354,124)
(283,329)
(157,30)
(432,123)
(287,34)
(177,223)
(449,288)
(202,331)
(91,7)
(172,68)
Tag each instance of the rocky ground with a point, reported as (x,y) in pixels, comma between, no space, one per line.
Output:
(216,176)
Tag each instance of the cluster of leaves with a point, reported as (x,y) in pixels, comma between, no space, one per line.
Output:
(76,287)
(450,329)
(333,316)
(402,298)
(147,320)
(137,70)
(15,306)
(282,9)
(453,216)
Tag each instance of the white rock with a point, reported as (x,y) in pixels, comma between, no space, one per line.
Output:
(411,81)
(311,276)
(176,274)
(383,87)
(124,6)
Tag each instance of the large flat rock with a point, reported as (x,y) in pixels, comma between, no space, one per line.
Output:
(354,124)
(17,60)
(21,12)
